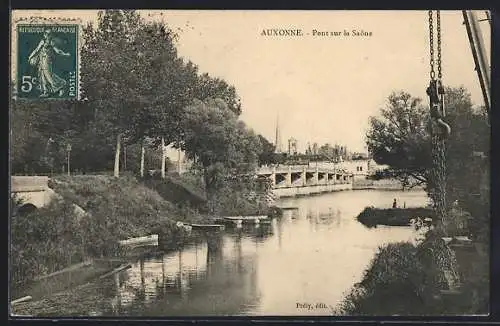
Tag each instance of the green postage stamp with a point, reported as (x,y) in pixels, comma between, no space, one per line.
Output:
(48,61)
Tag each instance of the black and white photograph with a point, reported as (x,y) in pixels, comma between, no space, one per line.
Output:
(194,163)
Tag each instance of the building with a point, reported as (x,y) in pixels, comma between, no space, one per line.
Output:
(178,159)
(373,167)
(277,140)
(292,146)
(359,168)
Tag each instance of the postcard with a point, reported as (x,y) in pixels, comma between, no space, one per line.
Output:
(194,163)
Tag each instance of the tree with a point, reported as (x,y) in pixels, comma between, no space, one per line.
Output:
(27,145)
(39,134)
(210,87)
(218,142)
(400,138)
(266,156)
(134,90)
(170,87)
(327,151)
(110,72)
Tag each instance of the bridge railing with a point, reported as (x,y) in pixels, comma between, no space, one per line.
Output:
(298,168)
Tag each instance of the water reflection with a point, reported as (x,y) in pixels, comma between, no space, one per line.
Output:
(313,254)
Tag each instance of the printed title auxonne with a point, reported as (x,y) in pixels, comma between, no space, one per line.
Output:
(299,32)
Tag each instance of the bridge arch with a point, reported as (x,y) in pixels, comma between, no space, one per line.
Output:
(32,190)
(26,208)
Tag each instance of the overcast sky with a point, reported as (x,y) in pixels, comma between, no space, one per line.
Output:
(323,88)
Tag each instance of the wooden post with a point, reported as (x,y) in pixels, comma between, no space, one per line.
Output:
(162,158)
(143,150)
(179,161)
(116,172)
(124,157)
(68,150)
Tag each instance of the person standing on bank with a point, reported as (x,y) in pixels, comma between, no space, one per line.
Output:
(394,203)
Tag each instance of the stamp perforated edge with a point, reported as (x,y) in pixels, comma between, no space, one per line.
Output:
(41,20)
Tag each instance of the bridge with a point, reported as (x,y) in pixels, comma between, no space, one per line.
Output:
(31,190)
(292,180)
(34,193)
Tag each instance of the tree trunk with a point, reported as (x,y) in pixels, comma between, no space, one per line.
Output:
(142,159)
(179,161)
(124,157)
(117,156)
(162,158)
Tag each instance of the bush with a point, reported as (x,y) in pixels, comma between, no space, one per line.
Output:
(390,285)
(228,201)
(402,280)
(44,241)
(52,238)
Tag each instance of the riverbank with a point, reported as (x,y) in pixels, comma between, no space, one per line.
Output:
(53,238)
(408,280)
(230,274)
(372,216)
(433,275)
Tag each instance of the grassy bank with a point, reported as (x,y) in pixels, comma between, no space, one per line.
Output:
(175,189)
(404,279)
(372,217)
(54,237)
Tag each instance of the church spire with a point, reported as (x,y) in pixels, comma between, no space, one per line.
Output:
(277,140)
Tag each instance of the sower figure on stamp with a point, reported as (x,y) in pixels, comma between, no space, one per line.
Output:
(41,58)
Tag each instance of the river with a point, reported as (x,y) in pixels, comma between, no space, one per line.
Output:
(312,255)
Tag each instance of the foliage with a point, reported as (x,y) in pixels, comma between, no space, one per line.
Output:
(240,195)
(399,281)
(43,241)
(220,144)
(52,238)
(400,138)
(134,85)
(118,208)
(390,285)
(381,174)
(210,87)
(267,155)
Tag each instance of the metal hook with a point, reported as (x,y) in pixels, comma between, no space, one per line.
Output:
(436,92)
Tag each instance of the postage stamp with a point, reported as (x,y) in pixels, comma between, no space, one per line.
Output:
(47,61)
(229,163)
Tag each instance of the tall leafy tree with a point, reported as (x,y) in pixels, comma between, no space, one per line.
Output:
(218,142)
(400,138)
(210,87)
(111,75)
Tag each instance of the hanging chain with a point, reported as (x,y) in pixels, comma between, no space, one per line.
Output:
(438,28)
(435,92)
(431,45)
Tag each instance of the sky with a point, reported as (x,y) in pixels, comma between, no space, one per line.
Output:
(322,88)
